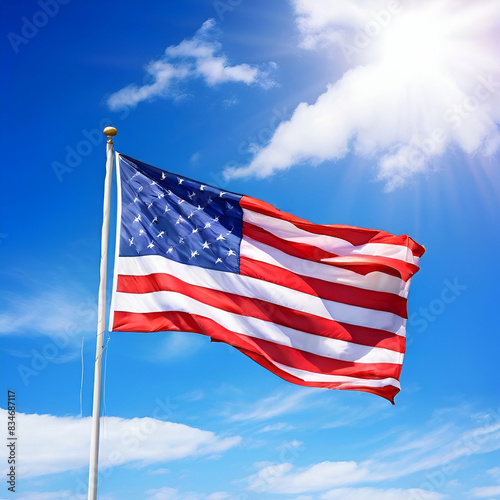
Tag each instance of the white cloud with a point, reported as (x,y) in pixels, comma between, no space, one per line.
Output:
(290,444)
(177,345)
(280,426)
(379,494)
(486,492)
(438,450)
(231,101)
(167,493)
(219,495)
(494,472)
(164,493)
(54,311)
(322,22)
(421,81)
(56,495)
(159,471)
(198,57)
(65,442)
(282,479)
(48,495)
(353,414)
(195,159)
(275,405)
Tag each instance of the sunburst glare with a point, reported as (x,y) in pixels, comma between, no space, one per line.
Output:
(422,78)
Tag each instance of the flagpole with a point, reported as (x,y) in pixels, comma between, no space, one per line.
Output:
(109,132)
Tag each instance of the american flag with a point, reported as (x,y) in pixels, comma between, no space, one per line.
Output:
(318,305)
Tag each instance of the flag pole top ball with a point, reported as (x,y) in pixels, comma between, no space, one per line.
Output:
(110,132)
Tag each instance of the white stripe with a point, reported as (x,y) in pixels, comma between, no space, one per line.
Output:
(288,231)
(259,289)
(307,376)
(257,328)
(379,282)
(118,236)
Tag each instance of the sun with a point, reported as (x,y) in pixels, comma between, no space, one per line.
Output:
(415,43)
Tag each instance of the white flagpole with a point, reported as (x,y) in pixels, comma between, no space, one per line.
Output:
(110,132)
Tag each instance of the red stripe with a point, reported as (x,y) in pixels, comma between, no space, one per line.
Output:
(354,235)
(263,310)
(388,392)
(185,322)
(337,292)
(360,264)
(307,361)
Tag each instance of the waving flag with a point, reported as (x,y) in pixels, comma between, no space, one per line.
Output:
(318,305)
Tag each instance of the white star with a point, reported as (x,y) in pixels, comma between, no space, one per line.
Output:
(150,204)
(180,180)
(180,201)
(140,188)
(220,238)
(170,250)
(151,245)
(160,235)
(181,240)
(231,252)
(194,254)
(222,193)
(230,231)
(180,219)
(161,195)
(229,206)
(141,232)
(166,209)
(154,183)
(163,176)
(138,218)
(218,260)
(136,199)
(202,187)
(154,221)
(195,230)
(216,219)
(192,195)
(135,175)
(206,245)
(190,215)
(169,192)
(131,241)
(199,207)
(207,225)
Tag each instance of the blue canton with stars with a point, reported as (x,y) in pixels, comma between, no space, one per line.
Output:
(178,218)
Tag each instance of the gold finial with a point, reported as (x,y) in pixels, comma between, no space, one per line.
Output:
(110,132)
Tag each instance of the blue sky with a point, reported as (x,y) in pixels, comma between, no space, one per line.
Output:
(380,114)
